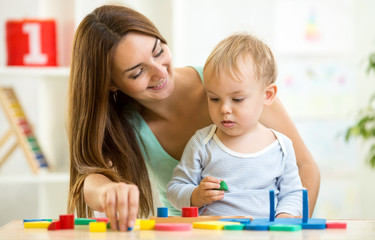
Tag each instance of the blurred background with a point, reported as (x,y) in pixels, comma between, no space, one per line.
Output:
(322,48)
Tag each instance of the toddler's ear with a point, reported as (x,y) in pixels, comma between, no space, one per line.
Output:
(270,93)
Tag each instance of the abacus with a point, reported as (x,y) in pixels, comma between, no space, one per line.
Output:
(20,126)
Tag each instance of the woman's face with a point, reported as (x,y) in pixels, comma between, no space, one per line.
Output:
(142,68)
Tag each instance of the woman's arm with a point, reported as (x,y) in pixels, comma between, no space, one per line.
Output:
(119,201)
(275,116)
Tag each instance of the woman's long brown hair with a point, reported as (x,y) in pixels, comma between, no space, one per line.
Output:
(101,139)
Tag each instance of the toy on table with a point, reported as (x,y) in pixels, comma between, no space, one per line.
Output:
(190,215)
(162,212)
(305,222)
(190,219)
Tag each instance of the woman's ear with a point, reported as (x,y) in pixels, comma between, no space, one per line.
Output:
(113,87)
(270,93)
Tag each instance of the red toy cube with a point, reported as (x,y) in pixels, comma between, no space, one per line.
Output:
(31,42)
(189,212)
(67,221)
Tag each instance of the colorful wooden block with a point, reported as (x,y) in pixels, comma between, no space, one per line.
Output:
(257,227)
(234,227)
(213,225)
(54,226)
(312,223)
(240,220)
(189,212)
(83,221)
(286,228)
(162,212)
(146,224)
(98,227)
(37,220)
(67,221)
(336,225)
(173,227)
(43,224)
(179,219)
(101,219)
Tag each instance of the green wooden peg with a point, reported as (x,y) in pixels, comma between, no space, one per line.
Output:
(223,186)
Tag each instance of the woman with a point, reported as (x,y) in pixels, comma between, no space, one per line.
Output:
(130,110)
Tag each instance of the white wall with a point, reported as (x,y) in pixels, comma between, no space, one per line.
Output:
(193,28)
(322,110)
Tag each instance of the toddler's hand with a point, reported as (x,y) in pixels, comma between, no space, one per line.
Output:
(286,215)
(205,193)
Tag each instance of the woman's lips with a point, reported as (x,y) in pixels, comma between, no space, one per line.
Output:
(159,85)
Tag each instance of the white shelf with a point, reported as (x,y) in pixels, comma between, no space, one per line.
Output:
(42,195)
(42,177)
(35,71)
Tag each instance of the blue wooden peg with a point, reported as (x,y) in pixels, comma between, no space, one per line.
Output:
(305,212)
(272,206)
(162,212)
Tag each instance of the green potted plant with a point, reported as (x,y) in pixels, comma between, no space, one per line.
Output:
(364,128)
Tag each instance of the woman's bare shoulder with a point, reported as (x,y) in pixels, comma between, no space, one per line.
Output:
(187,74)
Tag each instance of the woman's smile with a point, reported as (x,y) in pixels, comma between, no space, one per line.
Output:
(159,85)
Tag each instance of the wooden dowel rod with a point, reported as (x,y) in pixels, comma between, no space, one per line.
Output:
(8,153)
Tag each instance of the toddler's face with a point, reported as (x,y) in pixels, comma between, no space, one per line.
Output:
(235,102)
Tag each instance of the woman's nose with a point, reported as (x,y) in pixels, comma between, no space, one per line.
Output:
(159,71)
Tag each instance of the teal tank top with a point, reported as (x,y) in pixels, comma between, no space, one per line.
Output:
(157,159)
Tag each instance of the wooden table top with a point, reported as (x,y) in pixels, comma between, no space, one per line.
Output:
(356,229)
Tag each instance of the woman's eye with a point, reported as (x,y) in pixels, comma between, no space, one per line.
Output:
(237,99)
(160,52)
(138,74)
(214,99)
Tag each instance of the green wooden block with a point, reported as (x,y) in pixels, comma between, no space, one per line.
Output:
(223,186)
(234,227)
(83,221)
(283,227)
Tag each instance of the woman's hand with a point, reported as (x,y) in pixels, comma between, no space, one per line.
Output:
(205,193)
(120,201)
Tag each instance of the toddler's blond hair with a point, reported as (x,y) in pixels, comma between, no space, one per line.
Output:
(225,55)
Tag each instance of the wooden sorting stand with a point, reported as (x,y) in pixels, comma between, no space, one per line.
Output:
(20,127)
(178,219)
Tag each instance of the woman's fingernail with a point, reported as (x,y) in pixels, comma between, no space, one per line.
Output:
(122,227)
(131,224)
